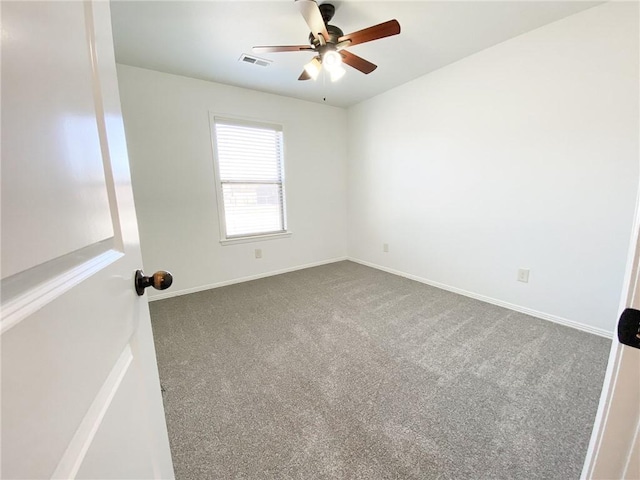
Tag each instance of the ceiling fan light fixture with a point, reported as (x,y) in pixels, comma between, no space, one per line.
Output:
(313,68)
(332,60)
(337,73)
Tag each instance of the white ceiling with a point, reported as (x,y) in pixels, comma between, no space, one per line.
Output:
(205,39)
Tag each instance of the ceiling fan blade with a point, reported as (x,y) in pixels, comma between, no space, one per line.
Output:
(382,30)
(357,62)
(311,13)
(281,48)
(304,76)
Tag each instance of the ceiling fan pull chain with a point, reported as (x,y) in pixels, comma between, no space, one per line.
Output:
(324,85)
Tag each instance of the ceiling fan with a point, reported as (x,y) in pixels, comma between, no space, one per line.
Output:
(329,42)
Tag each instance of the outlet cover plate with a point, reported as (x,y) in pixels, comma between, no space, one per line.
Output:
(523,275)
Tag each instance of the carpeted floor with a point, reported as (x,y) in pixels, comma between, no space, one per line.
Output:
(345,372)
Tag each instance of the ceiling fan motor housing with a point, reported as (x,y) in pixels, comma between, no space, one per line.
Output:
(334,34)
(327,11)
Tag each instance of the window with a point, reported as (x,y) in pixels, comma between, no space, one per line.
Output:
(249,168)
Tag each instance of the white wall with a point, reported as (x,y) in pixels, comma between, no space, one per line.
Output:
(167,125)
(523,155)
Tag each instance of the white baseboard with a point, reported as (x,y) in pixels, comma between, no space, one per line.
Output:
(517,308)
(534,313)
(186,291)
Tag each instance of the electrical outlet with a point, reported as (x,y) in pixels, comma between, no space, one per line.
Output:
(385,247)
(258,253)
(523,275)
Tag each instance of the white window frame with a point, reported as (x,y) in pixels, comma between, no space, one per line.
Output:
(224,238)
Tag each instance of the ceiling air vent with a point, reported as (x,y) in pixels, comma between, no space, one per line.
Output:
(262,62)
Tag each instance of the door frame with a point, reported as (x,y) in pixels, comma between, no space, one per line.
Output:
(602,426)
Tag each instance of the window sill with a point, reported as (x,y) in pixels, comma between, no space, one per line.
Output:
(255,238)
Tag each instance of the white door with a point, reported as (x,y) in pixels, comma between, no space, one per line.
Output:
(614,450)
(80,390)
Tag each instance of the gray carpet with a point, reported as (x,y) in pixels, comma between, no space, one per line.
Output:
(345,372)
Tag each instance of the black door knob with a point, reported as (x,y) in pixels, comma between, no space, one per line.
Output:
(160,281)
(629,328)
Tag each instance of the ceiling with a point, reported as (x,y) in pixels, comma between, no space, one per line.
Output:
(205,40)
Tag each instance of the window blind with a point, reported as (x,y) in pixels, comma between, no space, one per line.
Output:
(250,171)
